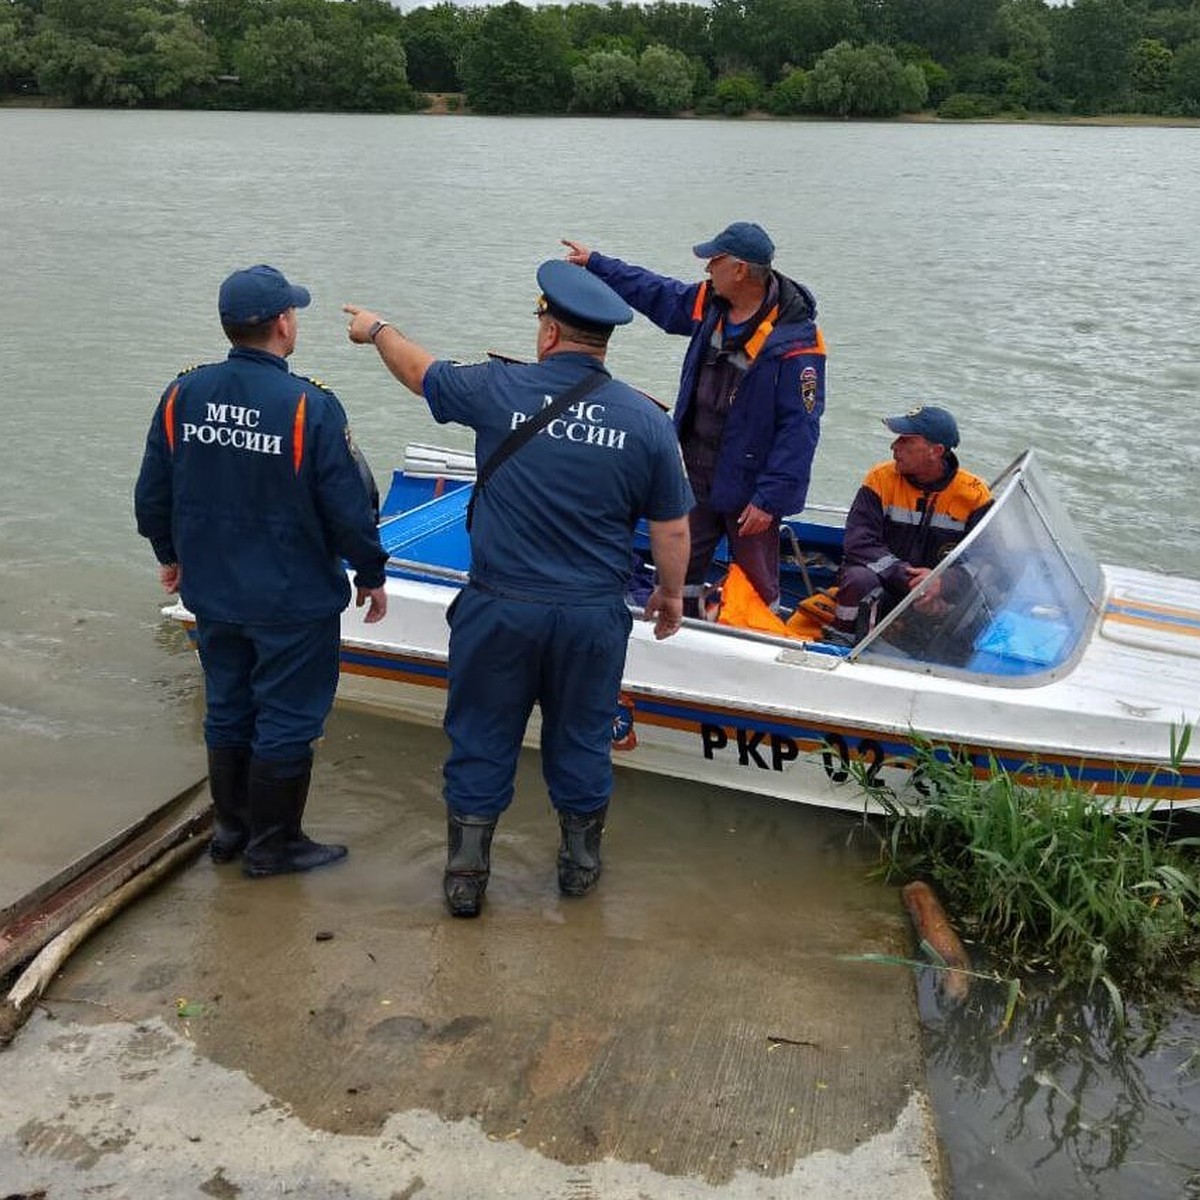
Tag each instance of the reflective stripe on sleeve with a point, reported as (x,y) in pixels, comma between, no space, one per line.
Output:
(298,434)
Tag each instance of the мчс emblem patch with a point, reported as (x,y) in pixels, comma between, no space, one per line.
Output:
(808,388)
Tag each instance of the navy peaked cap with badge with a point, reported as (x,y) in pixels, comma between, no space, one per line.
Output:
(257,294)
(930,422)
(742,239)
(579,297)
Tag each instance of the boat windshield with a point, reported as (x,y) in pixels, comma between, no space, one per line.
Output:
(1017,599)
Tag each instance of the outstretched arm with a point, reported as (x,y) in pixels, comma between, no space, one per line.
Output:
(577,252)
(405,359)
(669,303)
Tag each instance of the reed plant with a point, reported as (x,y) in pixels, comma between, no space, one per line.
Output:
(1098,891)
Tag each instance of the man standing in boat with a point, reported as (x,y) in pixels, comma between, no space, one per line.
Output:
(251,493)
(907,516)
(751,393)
(568,460)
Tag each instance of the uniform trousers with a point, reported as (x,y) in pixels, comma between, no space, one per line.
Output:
(269,687)
(758,555)
(506,654)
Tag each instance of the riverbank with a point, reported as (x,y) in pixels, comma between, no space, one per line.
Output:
(454,104)
(675,1035)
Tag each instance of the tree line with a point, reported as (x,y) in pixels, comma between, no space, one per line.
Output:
(962,58)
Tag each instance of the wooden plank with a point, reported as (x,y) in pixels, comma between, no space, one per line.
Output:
(28,924)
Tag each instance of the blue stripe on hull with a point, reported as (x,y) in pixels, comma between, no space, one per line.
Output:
(691,717)
(1155,616)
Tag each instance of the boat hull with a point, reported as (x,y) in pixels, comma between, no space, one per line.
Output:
(856,728)
(788,721)
(1050,666)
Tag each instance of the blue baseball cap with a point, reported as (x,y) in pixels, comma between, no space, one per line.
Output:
(742,239)
(578,297)
(932,423)
(257,294)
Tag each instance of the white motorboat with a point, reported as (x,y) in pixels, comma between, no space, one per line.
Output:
(1049,664)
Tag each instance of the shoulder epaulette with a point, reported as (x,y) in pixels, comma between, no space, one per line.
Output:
(318,382)
(507,358)
(189,369)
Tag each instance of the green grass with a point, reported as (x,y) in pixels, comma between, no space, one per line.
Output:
(1049,877)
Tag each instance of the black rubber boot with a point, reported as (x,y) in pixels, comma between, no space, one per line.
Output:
(579,864)
(277,846)
(468,862)
(229,783)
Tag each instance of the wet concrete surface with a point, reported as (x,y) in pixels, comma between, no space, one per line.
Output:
(695,1027)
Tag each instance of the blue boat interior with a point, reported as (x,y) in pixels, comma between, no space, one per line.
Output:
(1033,592)
(423,523)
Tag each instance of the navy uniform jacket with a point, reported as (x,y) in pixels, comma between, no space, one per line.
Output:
(555,522)
(250,482)
(774,423)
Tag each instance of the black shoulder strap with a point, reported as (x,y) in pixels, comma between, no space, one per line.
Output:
(527,429)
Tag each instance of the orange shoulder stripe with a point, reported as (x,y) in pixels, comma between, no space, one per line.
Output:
(818,347)
(298,434)
(698,307)
(169,418)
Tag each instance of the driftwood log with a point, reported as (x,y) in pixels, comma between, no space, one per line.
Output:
(934,930)
(43,913)
(50,922)
(34,980)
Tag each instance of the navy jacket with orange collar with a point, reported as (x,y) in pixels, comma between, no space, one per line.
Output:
(774,424)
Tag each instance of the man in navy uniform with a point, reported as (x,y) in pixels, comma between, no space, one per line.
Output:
(251,493)
(543,619)
(751,393)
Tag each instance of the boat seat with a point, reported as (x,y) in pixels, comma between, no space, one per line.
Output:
(434,532)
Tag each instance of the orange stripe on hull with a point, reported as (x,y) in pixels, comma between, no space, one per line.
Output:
(395,674)
(1168,610)
(1148,623)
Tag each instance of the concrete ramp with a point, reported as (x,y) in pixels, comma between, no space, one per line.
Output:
(693,1028)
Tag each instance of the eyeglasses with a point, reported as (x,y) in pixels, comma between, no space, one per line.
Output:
(716,258)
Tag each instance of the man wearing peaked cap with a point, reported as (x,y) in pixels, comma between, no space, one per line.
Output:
(579,297)
(751,393)
(908,515)
(252,494)
(934,425)
(742,240)
(568,460)
(257,294)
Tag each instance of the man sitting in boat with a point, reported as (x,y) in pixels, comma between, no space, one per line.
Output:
(908,515)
